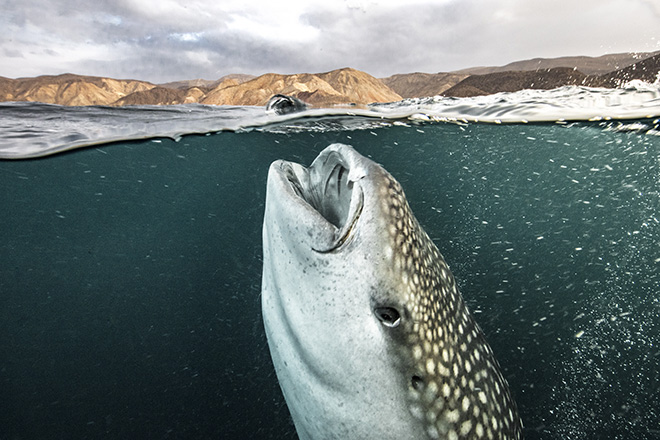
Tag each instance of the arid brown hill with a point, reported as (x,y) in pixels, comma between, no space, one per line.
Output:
(419,85)
(260,89)
(359,87)
(336,87)
(162,96)
(588,65)
(204,84)
(646,70)
(7,86)
(513,81)
(69,89)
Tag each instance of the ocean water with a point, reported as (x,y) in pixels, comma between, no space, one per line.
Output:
(130,275)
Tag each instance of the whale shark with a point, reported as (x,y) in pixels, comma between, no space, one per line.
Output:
(368,333)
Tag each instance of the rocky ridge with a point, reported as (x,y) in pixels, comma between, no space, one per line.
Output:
(69,89)
(587,65)
(416,85)
(510,81)
(342,86)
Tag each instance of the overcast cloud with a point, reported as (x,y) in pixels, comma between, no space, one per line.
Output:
(166,40)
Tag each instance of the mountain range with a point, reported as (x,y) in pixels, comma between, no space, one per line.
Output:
(342,86)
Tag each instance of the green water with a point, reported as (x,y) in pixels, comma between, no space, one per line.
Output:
(130,276)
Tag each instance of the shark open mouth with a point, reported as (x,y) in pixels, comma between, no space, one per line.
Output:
(326,187)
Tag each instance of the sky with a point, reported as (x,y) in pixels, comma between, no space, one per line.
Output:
(168,40)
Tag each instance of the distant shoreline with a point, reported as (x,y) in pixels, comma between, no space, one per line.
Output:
(341,86)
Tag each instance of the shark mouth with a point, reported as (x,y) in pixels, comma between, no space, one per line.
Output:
(330,188)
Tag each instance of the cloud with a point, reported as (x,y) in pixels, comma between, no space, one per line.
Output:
(163,40)
(12,53)
(396,39)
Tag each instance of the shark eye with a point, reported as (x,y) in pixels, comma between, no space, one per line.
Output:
(417,382)
(389,316)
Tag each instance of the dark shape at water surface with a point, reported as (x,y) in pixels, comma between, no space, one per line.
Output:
(283,104)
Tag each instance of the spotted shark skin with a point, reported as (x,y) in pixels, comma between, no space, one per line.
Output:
(369,335)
